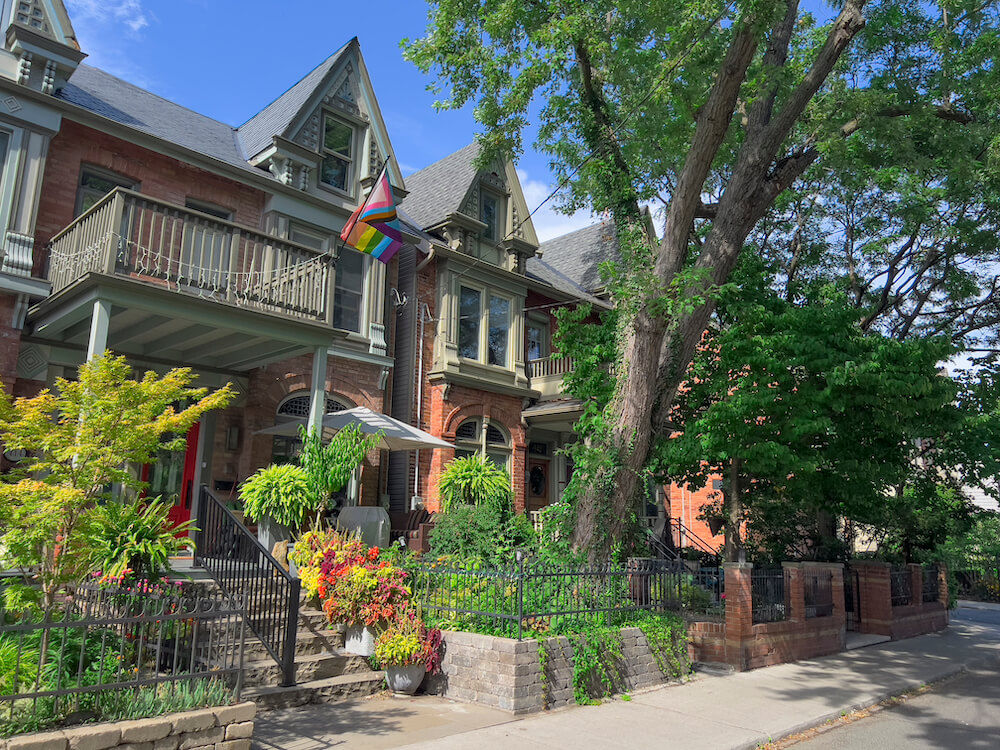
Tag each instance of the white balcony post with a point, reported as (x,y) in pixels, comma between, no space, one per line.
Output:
(317,401)
(100,322)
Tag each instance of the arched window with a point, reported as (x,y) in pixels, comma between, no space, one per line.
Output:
(487,438)
(296,406)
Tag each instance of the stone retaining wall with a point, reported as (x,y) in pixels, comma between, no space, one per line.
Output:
(507,674)
(218,728)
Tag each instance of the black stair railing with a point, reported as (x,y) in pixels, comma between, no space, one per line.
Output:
(242,567)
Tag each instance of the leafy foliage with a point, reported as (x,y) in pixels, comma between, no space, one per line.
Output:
(82,438)
(136,537)
(329,465)
(479,532)
(281,492)
(474,480)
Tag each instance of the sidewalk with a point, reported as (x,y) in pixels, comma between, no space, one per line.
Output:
(738,711)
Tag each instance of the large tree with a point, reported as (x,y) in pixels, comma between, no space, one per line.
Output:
(716,109)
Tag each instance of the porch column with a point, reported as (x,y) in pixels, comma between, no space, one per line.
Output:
(317,401)
(100,321)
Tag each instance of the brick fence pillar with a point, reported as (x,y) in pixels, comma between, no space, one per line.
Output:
(795,598)
(916,584)
(739,613)
(875,593)
(944,595)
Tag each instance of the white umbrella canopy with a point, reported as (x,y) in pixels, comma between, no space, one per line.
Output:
(396,435)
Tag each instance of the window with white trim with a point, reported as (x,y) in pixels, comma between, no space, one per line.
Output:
(337,150)
(484,322)
(493,442)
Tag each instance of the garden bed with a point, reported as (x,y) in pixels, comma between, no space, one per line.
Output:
(531,675)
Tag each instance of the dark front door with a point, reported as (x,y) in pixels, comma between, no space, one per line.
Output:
(538,485)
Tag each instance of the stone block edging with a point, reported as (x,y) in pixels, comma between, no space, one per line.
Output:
(216,728)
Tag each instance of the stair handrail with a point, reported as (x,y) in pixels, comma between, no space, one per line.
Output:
(241,566)
(684,532)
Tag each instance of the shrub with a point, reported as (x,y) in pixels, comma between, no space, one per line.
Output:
(481,533)
(475,480)
(281,493)
(137,537)
(328,466)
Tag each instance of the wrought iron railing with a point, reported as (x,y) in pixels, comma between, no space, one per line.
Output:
(114,653)
(817,589)
(241,566)
(138,237)
(532,596)
(683,536)
(768,595)
(931,591)
(901,586)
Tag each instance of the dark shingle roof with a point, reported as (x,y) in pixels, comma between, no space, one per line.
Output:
(117,100)
(539,270)
(578,255)
(438,190)
(256,133)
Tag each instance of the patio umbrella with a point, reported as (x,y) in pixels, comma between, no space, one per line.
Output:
(396,435)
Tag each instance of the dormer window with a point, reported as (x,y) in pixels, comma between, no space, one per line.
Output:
(338,153)
(489,214)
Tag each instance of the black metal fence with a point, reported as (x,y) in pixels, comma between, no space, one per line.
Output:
(119,653)
(534,596)
(901,586)
(931,591)
(768,593)
(242,567)
(817,588)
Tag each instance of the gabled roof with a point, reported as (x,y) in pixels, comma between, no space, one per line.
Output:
(439,190)
(120,101)
(577,256)
(539,270)
(276,118)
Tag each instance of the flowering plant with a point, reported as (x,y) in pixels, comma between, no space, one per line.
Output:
(406,642)
(370,594)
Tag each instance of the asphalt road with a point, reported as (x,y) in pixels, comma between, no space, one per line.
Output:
(961,713)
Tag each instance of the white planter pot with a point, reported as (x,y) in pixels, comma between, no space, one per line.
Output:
(293,569)
(405,680)
(359,640)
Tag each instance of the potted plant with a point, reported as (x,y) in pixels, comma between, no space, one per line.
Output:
(407,652)
(278,498)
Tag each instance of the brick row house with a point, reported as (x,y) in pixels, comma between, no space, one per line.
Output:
(134,224)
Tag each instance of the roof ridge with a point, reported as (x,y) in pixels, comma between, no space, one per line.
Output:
(324,61)
(442,159)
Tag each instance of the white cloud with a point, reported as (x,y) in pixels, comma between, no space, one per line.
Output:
(128,13)
(548,222)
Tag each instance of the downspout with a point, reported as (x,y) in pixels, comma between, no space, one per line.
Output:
(424,312)
(423,264)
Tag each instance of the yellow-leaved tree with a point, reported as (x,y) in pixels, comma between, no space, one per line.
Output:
(82,438)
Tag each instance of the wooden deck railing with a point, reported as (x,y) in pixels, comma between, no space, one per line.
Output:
(137,237)
(550,366)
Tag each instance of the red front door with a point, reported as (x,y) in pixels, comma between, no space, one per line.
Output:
(172,478)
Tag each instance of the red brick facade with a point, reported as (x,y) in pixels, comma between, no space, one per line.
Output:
(686,505)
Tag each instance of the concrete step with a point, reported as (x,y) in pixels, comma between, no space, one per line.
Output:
(306,642)
(329,690)
(308,668)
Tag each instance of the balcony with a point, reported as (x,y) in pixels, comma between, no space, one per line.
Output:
(178,285)
(140,238)
(546,374)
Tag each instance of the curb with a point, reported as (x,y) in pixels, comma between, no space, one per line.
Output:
(969,604)
(867,703)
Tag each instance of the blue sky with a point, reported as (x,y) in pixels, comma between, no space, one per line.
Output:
(229,58)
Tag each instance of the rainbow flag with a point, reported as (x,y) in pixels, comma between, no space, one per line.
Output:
(374,227)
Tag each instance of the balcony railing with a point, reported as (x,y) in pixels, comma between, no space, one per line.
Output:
(550,366)
(137,237)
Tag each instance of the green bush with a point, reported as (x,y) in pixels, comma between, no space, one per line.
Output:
(475,480)
(480,532)
(282,493)
(136,536)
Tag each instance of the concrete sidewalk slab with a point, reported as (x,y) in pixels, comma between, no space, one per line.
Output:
(749,708)
(736,711)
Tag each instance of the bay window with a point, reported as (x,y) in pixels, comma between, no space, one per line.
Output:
(484,322)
